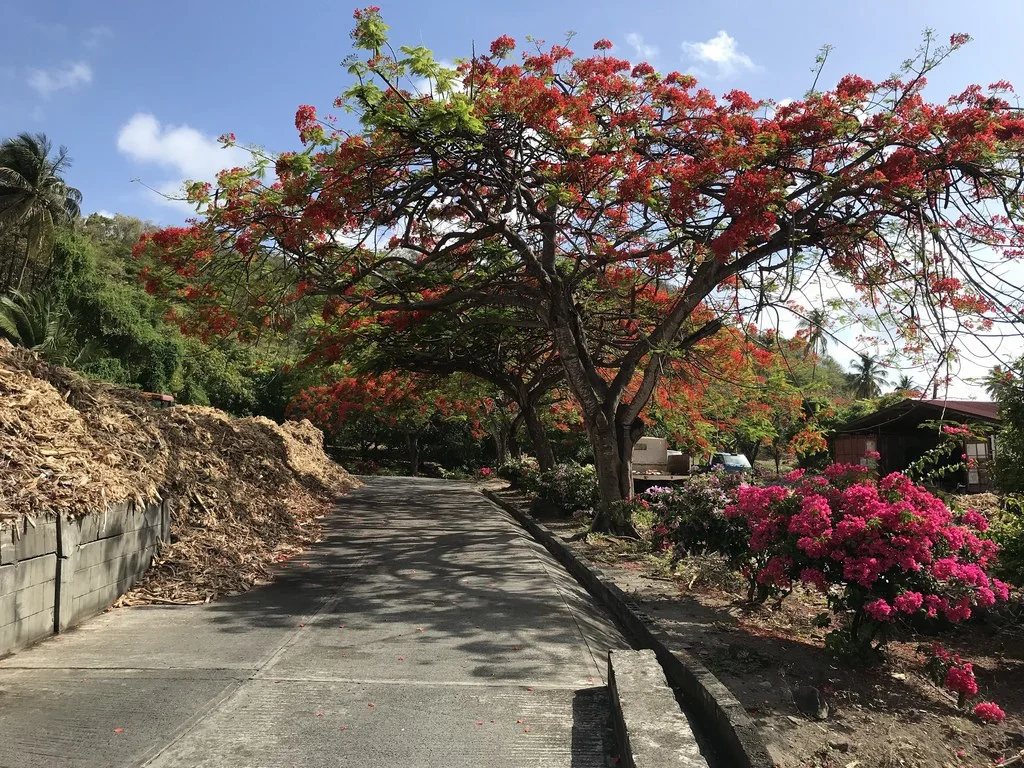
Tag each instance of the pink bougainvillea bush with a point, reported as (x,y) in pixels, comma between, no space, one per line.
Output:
(879,548)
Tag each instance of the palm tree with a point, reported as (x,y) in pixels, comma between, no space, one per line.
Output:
(867,376)
(906,386)
(32,321)
(816,327)
(33,194)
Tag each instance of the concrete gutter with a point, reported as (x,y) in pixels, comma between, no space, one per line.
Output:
(652,731)
(722,719)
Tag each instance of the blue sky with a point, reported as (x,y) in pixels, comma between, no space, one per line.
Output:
(169,77)
(141,90)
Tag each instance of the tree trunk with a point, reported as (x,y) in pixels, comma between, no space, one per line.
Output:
(613,460)
(412,444)
(538,438)
(500,444)
(33,234)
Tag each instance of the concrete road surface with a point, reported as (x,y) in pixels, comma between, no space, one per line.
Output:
(427,630)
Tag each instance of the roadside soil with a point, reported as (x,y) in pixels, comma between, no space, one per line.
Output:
(770,656)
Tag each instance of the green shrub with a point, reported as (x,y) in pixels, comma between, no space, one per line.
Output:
(1007,530)
(522,473)
(567,490)
(689,517)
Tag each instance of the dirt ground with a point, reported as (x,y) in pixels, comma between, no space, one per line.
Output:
(881,717)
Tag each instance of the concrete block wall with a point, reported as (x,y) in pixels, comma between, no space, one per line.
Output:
(56,571)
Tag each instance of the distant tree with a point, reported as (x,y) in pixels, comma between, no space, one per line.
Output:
(994,381)
(906,387)
(1006,385)
(868,376)
(34,197)
(814,329)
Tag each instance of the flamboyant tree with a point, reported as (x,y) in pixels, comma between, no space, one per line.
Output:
(380,406)
(505,347)
(638,211)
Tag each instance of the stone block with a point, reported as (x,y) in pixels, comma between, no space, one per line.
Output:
(6,544)
(26,573)
(26,602)
(114,571)
(26,631)
(116,547)
(35,536)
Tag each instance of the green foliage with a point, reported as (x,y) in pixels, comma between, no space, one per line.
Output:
(690,517)
(1007,530)
(867,376)
(35,202)
(129,327)
(1008,389)
(522,473)
(34,321)
(567,490)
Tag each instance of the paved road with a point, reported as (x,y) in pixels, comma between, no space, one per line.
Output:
(426,630)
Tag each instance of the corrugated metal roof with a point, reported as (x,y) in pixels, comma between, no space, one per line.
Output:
(986,409)
(934,409)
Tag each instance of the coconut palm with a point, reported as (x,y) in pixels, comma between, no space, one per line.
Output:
(906,386)
(867,376)
(34,198)
(815,326)
(33,321)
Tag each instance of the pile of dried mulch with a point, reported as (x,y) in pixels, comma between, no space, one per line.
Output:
(245,492)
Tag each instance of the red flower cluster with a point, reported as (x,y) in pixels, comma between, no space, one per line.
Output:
(989,712)
(960,679)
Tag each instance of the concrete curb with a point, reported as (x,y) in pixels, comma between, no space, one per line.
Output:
(652,731)
(717,711)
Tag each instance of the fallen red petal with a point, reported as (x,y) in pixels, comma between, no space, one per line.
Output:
(119,730)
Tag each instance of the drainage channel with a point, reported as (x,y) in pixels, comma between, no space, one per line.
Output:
(706,728)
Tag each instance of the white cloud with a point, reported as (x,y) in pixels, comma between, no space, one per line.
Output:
(722,52)
(643,50)
(772,109)
(95,36)
(182,149)
(425,85)
(104,213)
(46,81)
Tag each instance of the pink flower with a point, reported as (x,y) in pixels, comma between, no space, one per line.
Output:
(961,680)
(989,712)
(909,602)
(879,610)
(814,577)
(1001,589)
(976,520)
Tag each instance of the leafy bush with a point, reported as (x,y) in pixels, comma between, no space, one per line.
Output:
(568,490)
(1008,532)
(879,549)
(690,517)
(522,473)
